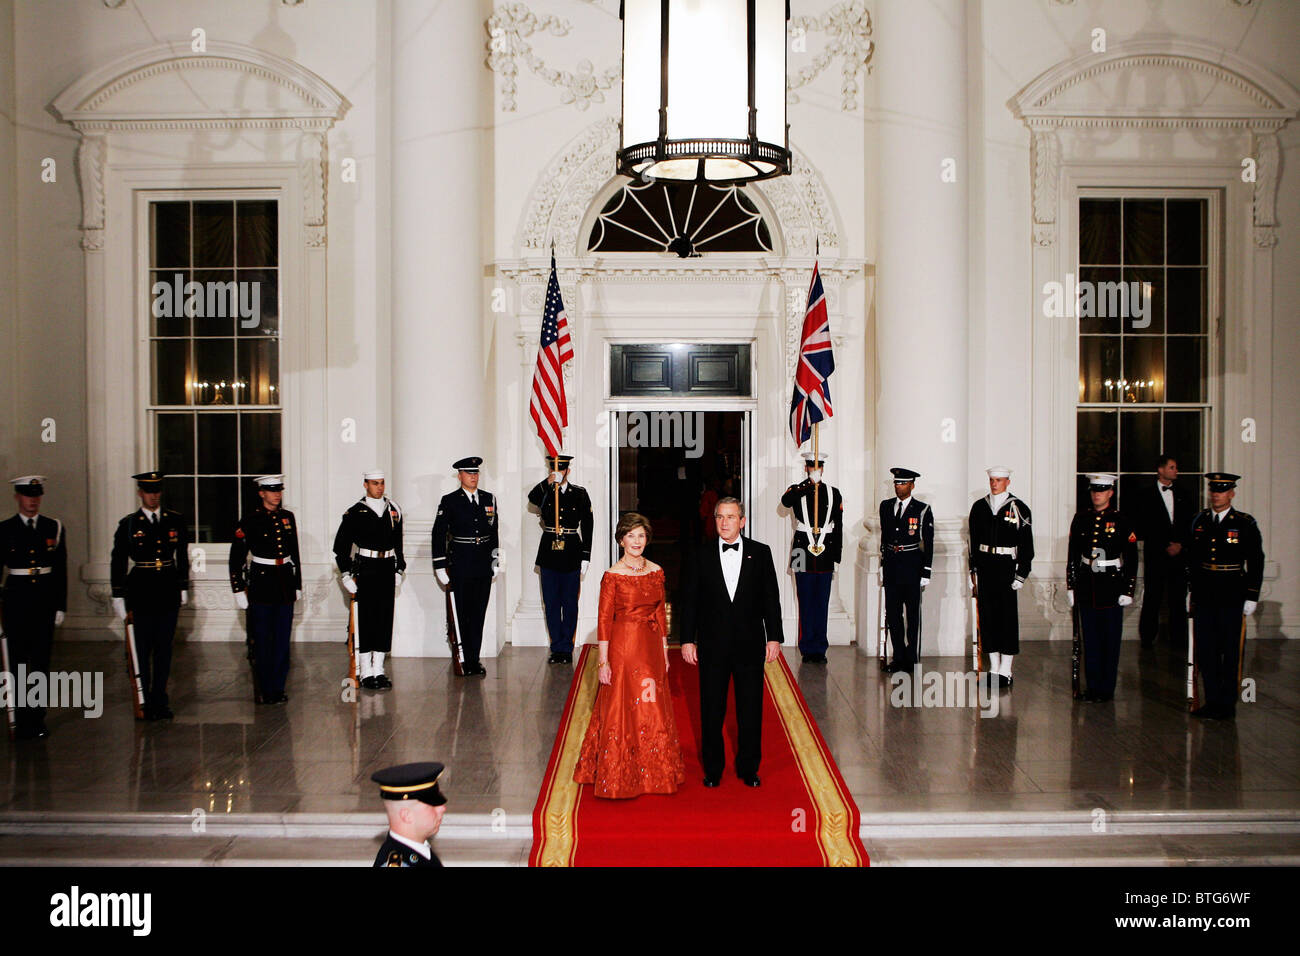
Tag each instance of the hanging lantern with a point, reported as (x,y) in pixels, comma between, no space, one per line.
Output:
(704,90)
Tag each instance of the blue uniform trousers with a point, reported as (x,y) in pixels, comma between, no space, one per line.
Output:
(814,591)
(560,597)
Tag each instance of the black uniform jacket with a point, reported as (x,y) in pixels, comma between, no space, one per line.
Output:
(1225,558)
(45,547)
(374,532)
(1098,538)
(1011,527)
(266,534)
(159,557)
(396,853)
(575,516)
(830,514)
(901,535)
(465,534)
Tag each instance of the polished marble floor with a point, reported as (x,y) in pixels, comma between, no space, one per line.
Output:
(1041,752)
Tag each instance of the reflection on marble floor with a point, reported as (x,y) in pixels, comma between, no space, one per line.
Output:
(224,754)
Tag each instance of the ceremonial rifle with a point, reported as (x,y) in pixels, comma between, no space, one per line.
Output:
(977,646)
(453,633)
(133,667)
(1193,701)
(352,640)
(881,624)
(1076,648)
(10,712)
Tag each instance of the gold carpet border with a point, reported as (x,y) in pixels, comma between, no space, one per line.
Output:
(560,808)
(838,848)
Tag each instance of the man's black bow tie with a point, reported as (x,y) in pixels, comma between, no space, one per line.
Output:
(734,546)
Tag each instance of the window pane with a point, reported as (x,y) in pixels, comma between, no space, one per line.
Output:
(170,230)
(170,302)
(218,506)
(217,440)
(1186,309)
(259,372)
(1183,439)
(1097,451)
(257,233)
(1139,439)
(213,308)
(1082,501)
(1099,232)
(1144,370)
(1129,486)
(267,290)
(1187,232)
(178,495)
(1094,315)
(1150,301)
(1185,369)
(171,371)
(214,234)
(1144,232)
(259,444)
(176,443)
(1098,365)
(214,366)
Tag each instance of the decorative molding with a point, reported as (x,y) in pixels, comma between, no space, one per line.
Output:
(92,152)
(314,170)
(1268,159)
(508,29)
(1045,160)
(848,25)
(563,197)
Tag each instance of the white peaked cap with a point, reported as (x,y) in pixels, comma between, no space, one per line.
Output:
(375,476)
(999,471)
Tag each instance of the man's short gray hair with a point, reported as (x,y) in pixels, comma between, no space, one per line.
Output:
(730,501)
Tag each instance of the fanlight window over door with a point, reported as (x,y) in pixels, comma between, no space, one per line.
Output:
(687,220)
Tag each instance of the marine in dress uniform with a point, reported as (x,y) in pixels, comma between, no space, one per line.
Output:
(368,552)
(150,572)
(563,553)
(1225,562)
(415,808)
(1001,553)
(1100,575)
(266,576)
(906,559)
(814,573)
(465,557)
(34,553)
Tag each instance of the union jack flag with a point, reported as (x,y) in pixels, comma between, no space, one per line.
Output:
(548,406)
(812,393)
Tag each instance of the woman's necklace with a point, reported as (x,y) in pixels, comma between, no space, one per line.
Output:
(633,568)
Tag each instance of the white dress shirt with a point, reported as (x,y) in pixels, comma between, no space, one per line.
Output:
(471,495)
(153,517)
(731,565)
(901,505)
(1167,496)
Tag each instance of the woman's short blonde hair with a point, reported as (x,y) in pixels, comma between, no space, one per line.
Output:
(629,521)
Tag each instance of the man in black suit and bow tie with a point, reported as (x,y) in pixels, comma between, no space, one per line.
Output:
(730,614)
(1163,510)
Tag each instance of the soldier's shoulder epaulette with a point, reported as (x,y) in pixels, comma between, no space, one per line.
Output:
(1246,518)
(168,513)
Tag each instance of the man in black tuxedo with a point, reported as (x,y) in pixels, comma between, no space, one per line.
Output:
(730,614)
(1163,510)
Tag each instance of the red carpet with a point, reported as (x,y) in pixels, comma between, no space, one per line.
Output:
(802,815)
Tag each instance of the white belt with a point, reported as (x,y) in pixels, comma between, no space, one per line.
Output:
(1102,562)
(275,561)
(367,553)
(21,572)
(825,529)
(987,550)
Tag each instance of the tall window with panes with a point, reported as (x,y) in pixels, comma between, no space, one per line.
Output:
(214,360)
(1144,387)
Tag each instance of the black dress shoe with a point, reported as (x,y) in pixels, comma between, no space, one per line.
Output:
(368,683)
(1206,712)
(751,780)
(808,658)
(163,713)
(382,682)
(1004,681)
(896,666)
(555,659)
(711,781)
(819,659)
(282,699)
(31,732)
(566,658)
(474,670)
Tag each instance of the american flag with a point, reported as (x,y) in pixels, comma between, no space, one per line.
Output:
(548,406)
(812,393)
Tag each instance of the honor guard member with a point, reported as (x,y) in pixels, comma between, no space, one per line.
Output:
(150,571)
(1226,568)
(906,558)
(813,556)
(371,574)
(35,594)
(1100,575)
(464,557)
(1001,552)
(266,576)
(563,553)
(415,807)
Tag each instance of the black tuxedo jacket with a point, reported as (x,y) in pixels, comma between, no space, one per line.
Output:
(709,618)
(1154,526)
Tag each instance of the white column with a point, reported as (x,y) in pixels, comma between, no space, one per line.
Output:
(441,107)
(922,285)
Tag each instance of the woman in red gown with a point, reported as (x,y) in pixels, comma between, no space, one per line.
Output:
(631,746)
